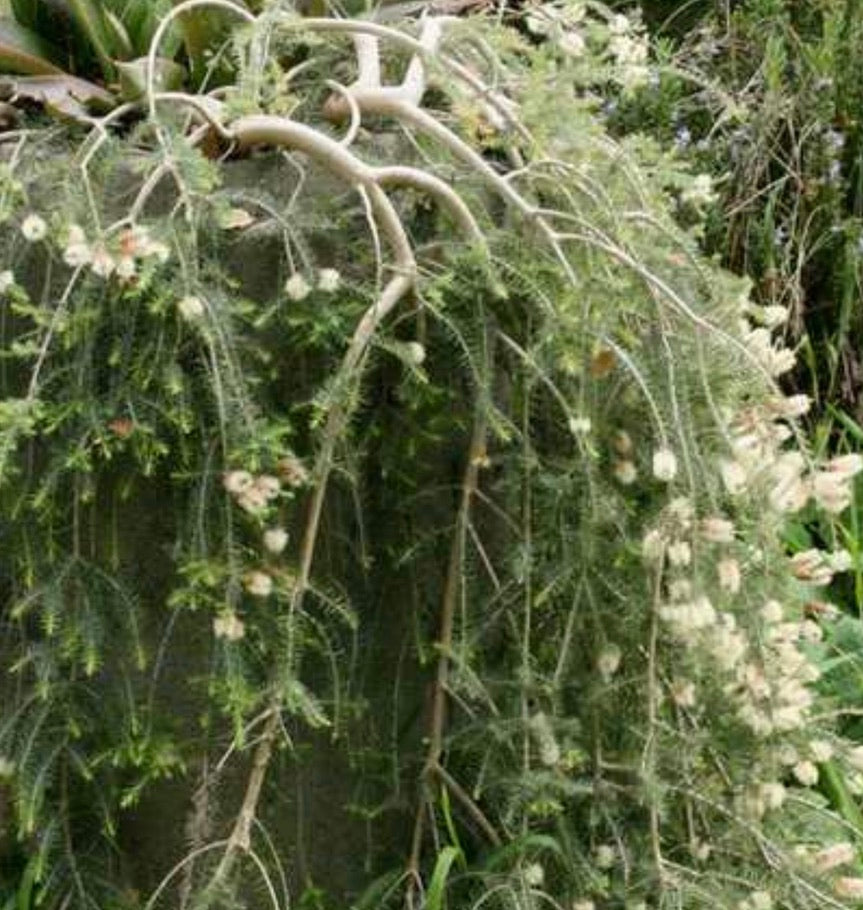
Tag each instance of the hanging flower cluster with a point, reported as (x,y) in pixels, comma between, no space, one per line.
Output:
(120,257)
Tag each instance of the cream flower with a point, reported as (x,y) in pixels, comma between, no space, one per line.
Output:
(729,575)
(605,856)
(772,612)
(329,280)
(296,287)
(806,773)
(191,308)
(734,476)
(572,44)
(534,875)
(664,464)
(76,255)
(258,583)
(625,472)
(579,426)
(683,693)
(126,267)
(821,750)
(848,887)
(7,279)
(679,553)
(102,262)
(653,545)
(700,191)
(621,442)
(237,482)
(546,742)
(416,353)
(608,661)
(773,794)
(269,486)
(854,757)
(275,540)
(793,406)
(717,530)
(811,566)
(34,228)
(229,626)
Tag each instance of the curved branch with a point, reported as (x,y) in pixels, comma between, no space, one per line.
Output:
(261,129)
(399,175)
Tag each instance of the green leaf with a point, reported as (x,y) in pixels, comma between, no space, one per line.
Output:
(120,38)
(25,889)
(133,76)
(377,893)
(203,29)
(23,51)
(437,885)
(89,17)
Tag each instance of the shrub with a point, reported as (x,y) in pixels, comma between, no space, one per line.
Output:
(391,433)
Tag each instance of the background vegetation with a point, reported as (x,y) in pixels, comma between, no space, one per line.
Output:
(410,494)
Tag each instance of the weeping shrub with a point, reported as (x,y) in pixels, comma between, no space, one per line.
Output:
(375,420)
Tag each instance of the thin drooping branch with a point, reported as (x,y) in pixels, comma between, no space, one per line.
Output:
(437,723)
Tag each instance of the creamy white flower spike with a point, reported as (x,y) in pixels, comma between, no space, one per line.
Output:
(126,267)
(820,750)
(7,279)
(729,575)
(773,794)
(237,482)
(717,530)
(679,553)
(700,192)
(621,442)
(772,316)
(546,742)
(608,661)
(772,612)
(605,856)
(416,353)
(34,228)
(572,44)
(191,308)
(229,626)
(811,566)
(734,476)
(831,491)
(258,584)
(854,757)
(792,406)
(77,254)
(625,472)
(653,545)
(848,886)
(534,875)
(579,426)
(664,464)
(683,693)
(275,540)
(329,280)
(102,262)
(297,288)
(806,773)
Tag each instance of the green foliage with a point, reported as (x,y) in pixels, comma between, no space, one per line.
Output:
(266,517)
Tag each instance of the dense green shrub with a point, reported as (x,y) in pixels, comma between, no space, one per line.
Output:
(395,434)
